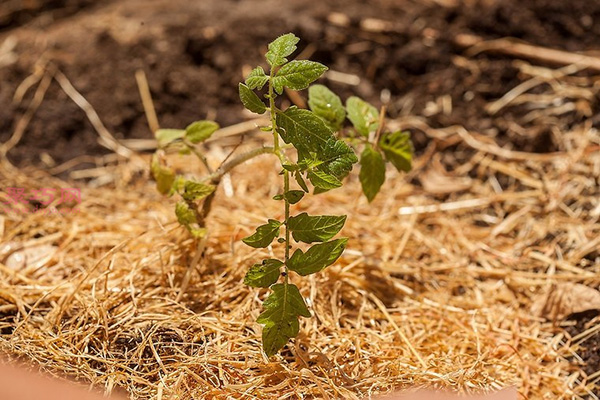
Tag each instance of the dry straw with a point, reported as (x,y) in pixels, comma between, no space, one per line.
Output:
(436,289)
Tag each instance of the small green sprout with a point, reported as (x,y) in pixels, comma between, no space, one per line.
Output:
(319,151)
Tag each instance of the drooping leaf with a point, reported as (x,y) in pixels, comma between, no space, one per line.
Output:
(264,235)
(303,129)
(166,136)
(263,275)
(300,181)
(280,318)
(398,149)
(257,78)
(317,257)
(280,48)
(293,196)
(187,216)
(199,131)
(327,105)
(372,172)
(318,228)
(297,75)
(251,101)
(193,191)
(164,176)
(363,115)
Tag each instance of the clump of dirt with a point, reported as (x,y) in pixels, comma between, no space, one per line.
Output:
(590,347)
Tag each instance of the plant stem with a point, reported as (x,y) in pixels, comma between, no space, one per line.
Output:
(286,175)
(272,110)
(199,155)
(215,177)
(286,188)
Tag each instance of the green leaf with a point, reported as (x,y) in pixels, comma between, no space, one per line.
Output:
(251,101)
(337,159)
(372,172)
(166,136)
(199,131)
(264,235)
(317,257)
(187,216)
(280,48)
(320,228)
(303,129)
(290,167)
(263,275)
(297,75)
(327,105)
(398,149)
(323,180)
(280,318)
(257,78)
(300,181)
(293,196)
(193,191)
(164,176)
(363,115)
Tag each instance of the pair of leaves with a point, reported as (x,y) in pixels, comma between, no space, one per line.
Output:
(264,235)
(296,75)
(397,149)
(195,133)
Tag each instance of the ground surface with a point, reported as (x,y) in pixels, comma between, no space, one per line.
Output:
(194,53)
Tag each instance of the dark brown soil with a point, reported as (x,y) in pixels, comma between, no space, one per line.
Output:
(193,55)
(590,352)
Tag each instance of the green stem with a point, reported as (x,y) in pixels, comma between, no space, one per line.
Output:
(199,155)
(286,175)
(272,110)
(286,188)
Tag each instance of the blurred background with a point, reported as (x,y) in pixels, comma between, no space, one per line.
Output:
(411,55)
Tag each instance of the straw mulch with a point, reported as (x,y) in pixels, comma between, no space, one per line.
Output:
(439,286)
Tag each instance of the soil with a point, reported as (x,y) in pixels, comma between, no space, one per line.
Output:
(194,53)
(590,352)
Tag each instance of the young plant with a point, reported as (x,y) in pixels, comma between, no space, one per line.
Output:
(309,151)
